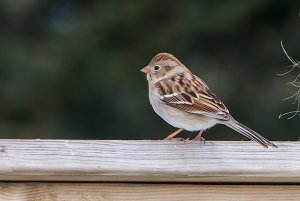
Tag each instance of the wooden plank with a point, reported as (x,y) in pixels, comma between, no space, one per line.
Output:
(147,192)
(148,161)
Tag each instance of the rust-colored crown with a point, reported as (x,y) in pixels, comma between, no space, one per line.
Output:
(164,56)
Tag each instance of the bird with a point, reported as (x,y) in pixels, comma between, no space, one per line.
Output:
(185,101)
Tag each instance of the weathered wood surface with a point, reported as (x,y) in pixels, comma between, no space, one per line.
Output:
(148,161)
(136,192)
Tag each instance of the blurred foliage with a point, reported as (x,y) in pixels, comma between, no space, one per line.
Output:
(70,68)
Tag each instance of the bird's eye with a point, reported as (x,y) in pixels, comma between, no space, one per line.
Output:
(156,67)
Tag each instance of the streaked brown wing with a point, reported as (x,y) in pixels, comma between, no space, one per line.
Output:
(187,92)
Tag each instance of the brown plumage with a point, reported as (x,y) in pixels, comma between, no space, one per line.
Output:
(185,101)
(192,95)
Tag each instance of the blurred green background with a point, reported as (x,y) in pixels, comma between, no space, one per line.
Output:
(70,69)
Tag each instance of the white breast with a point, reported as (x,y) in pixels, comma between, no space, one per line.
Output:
(179,118)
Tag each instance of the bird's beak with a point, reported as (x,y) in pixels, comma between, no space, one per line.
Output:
(145,70)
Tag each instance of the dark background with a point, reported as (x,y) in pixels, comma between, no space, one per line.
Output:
(70,69)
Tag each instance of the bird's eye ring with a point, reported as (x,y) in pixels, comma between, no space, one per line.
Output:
(156,67)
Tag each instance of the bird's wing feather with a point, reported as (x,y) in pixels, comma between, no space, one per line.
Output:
(189,93)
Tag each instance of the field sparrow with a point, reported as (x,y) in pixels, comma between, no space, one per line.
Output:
(185,101)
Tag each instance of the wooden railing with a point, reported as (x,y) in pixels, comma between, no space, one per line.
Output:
(148,170)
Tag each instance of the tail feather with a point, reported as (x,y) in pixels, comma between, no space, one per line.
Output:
(249,133)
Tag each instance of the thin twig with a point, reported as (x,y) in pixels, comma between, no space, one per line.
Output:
(295,63)
(295,112)
(296,94)
(294,83)
(290,58)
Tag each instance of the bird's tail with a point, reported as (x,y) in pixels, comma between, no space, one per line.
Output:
(249,133)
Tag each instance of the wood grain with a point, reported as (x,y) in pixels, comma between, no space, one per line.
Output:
(147,192)
(148,161)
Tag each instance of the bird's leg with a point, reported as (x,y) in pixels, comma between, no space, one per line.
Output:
(172,135)
(199,136)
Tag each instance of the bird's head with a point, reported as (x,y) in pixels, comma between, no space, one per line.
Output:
(161,66)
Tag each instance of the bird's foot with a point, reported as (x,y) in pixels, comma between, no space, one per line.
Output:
(172,135)
(199,137)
